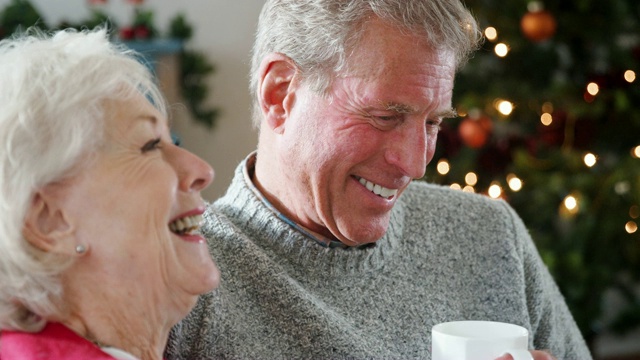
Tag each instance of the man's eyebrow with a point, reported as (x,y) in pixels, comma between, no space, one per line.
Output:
(407,109)
(399,108)
(447,114)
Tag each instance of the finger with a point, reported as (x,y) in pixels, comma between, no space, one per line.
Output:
(541,355)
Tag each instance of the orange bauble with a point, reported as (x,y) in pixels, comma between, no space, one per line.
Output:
(474,132)
(538,25)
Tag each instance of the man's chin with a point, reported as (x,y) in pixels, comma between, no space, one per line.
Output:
(364,235)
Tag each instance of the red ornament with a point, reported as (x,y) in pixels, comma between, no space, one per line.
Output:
(474,132)
(141,32)
(538,25)
(127,33)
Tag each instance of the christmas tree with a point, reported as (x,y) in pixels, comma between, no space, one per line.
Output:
(549,122)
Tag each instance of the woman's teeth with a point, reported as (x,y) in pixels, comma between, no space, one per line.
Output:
(377,189)
(186,225)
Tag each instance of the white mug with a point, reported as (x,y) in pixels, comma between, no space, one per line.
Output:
(479,340)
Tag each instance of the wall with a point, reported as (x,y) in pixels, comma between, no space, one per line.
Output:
(223,29)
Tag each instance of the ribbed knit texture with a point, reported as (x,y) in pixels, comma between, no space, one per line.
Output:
(447,256)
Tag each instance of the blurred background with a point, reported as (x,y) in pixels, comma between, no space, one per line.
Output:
(548,121)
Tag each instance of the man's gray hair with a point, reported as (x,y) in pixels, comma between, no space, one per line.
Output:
(319,35)
(53,88)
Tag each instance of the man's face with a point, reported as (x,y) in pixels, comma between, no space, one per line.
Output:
(347,157)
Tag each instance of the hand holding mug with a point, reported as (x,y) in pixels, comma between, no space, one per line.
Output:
(479,340)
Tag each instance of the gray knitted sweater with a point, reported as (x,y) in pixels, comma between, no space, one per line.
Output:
(447,255)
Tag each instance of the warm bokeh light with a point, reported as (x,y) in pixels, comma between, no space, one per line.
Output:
(455,186)
(515,184)
(501,49)
(570,202)
(636,152)
(593,89)
(491,33)
(569,207)
(634,211)
(547,107)
(630,76)
(495,191)
(546,119)
(622,187)
(504,107)
(469,189)
(631,227)
(590,159)
(443,167)
(471,178)
(535,6)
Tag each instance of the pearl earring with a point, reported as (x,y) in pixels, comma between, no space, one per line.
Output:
(80,249)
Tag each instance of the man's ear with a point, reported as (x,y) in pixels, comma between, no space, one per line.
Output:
(47,226)
(276,90)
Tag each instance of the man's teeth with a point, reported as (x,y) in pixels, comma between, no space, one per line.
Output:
(186,225)
(377,189)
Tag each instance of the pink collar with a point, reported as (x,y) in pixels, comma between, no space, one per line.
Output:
(55,341)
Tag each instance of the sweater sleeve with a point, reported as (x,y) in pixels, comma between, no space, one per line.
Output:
(552,325)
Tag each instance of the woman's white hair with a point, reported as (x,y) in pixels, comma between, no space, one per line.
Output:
(52,90)
(319,35)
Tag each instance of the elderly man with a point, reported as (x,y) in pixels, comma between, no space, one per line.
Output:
(327,248)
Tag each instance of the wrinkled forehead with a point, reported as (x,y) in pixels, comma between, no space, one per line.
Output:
(383,46)
(123,113)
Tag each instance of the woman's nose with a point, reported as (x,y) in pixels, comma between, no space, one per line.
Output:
(194,173)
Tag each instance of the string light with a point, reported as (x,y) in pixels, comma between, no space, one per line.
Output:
(634,212)
(495,190)
(546,119)
(589,160)
(504,107)
(570,202)
(443,167)
(630,76)
(515,184)
(491,33)
(570,206)
(631,227)
(455,186)
(471,178)
(469,189)
(622,187)
(547,107)
(593,89)
(501,49)
(635,152)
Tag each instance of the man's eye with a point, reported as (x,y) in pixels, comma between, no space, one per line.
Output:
(433,126)
(151,145)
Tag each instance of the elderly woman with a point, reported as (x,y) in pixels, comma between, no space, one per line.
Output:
(99,250)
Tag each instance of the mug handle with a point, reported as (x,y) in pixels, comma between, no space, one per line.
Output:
(520,354)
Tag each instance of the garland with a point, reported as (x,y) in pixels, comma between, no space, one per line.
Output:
(194,65)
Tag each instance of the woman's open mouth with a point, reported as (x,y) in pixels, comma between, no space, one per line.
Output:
(188,225)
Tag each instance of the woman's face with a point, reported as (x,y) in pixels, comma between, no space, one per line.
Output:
(136,207)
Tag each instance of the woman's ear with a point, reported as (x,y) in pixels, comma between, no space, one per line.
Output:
(276,92)
(46,225)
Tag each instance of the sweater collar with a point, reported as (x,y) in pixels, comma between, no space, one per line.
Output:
(248,171)
(282,239)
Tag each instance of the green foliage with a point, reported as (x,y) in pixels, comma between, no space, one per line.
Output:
(588,252)
(179,28)
(194,69)
(194,66)
(18,14)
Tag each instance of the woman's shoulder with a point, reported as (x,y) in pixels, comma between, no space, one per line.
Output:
(55,341)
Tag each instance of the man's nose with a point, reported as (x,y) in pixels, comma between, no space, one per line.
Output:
(407,150)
